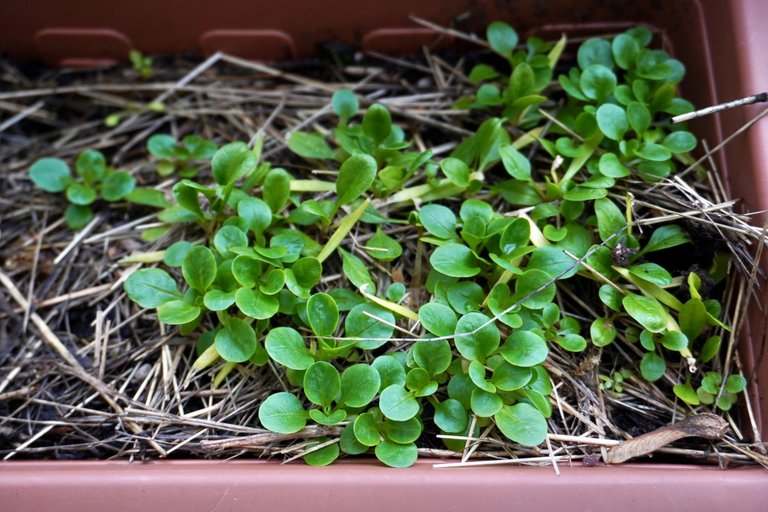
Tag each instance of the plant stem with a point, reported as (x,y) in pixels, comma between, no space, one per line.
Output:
(207,358)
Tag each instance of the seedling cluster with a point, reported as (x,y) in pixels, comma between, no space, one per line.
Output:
(312,275)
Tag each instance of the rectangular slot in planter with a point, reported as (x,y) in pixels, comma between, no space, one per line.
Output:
(721,44)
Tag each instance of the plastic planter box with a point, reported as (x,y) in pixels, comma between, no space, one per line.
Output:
(721,43)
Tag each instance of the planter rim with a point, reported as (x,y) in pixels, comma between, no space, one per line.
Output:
(354,485)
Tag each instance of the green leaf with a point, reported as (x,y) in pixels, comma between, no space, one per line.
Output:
(383,247)
(612,121)
(375,333)
(349,443)
(595,51)
(651,272)
(397,403)
(502,38)
(710,349)
(517,165)
(231,162)
(652,366)
(639,117)
(572,342)
(91,166)
(735,384)
(598,82)
(256,304)
(433,356)
(456,171)
(323,314)
(482,72)
(465,296)
(536,282)
(377,123)
(653,152)
(199,148)
(485,404)
(50,174)
(438,220)
(333,418)
(454,260)
(524,348)
(77,216)
(666,237)
(151,287)
(80,194)
(199,268)
(522,423)
(402,432)
(356,175)
(625,49)
(360,384)
(322,383)
(366,430)
(217,300)
(147,197)
(177,312)
(282,413)
(680,142)
(236,341)
(396,455)
(489,94)
(176,252)
(602,331)
(390,370)
(324,455)
(257,213)
(477,345)
(187,197)
(345,104)
(162,146)
(686,393)
(286,347)
(437,318)
(273,282)
(276,189)
(451,416)
(307,272)
(610,220)
(522,83)
(357,272)
(246,270)
(477,376)
(646,311)
(229,237)
(310,145)
(508,377)
(674,340)
(117,185)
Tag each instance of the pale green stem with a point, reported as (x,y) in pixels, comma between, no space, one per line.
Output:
(225,370)
(143,257)
(312,186)
(207,358)
(345,226)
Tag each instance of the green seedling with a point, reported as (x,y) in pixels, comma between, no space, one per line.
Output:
(141,64)
(500,238)
(179,156)
(93,180)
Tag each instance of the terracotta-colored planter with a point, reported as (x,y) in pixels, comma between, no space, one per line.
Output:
(722,43)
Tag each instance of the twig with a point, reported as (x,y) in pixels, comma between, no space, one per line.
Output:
(749,100)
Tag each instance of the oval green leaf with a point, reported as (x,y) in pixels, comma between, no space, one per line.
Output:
(286,347)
